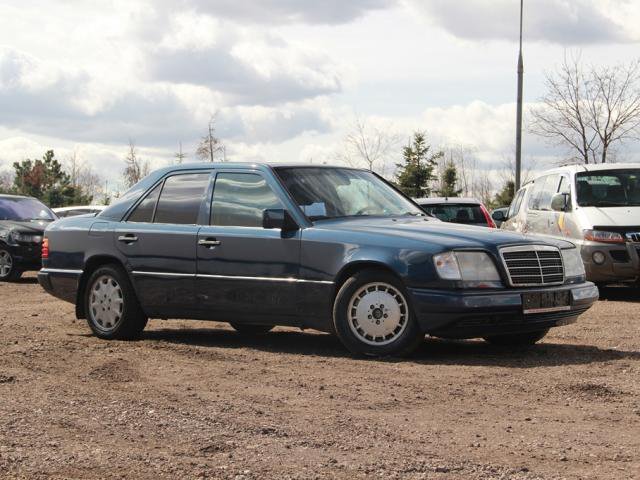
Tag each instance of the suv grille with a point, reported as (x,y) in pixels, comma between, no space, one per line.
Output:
(533,265)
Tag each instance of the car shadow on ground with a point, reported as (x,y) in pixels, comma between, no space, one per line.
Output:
(630,293)
(431,352)
(26,280)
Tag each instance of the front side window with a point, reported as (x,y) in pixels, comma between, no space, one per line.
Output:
(239,200)
(543,189)
(181,198)
(24,210)
(608,188)
(514,208)
(325,193)
(144,211)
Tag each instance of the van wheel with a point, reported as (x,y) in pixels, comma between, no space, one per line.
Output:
(517,339)
(9,271)
(251,328)
(372,315)
(113,311)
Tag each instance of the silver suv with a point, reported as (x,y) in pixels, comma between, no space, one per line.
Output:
(597,207)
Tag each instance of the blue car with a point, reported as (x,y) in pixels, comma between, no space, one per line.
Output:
(334,249)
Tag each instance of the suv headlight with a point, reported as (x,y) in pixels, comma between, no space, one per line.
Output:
(573,266)
(475,269)
(602,236)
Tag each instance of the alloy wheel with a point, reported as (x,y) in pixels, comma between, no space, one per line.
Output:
(6,264)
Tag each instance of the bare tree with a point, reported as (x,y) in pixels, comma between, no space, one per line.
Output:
(180,155)
(589,111)
(82,176)
(210,145)
(367,146)
(6,181)
(135,168)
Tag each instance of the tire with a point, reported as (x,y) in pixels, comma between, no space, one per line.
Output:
(251,328)
(9,271)
(111,305)
(372,315)
(517,339)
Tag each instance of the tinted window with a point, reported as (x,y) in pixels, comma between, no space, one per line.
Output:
(239,199)
(144,210)
(609,188)
(457,213)
(181,199)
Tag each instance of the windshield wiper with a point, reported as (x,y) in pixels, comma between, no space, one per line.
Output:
(605,203)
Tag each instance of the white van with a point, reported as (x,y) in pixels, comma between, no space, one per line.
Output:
(597,207)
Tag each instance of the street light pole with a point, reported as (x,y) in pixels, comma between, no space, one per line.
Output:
(519,110)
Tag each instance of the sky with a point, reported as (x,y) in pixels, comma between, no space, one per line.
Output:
(286,79)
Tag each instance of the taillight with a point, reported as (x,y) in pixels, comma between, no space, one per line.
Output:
(487,217)
(45,247)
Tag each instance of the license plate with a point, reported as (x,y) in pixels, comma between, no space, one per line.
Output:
(541,302)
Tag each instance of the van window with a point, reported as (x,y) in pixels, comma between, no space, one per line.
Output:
(565,185)
(514,208)
(618,187)
(543,190)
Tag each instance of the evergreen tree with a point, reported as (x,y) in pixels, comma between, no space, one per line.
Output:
(416,173)
(505,196)
(449,181)
(47,181)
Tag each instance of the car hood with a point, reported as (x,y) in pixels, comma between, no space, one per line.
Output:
(27,227)
(448,235)
(611,216)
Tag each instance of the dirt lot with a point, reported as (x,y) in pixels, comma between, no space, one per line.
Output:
(196,400)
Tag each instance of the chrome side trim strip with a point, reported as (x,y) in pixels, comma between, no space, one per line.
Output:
(232,277)
(164,274)
(61,270)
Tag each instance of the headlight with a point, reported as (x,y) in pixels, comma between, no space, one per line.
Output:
(605,237)
(573,266)
(476,269)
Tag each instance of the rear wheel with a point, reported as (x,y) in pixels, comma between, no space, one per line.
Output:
(112,308)
(372,315)
(251,328)
(517,339)
(9,271)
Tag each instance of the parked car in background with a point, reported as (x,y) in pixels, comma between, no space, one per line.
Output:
(78,210)
(597,207)
(331,248)
(22,224)
(467,211)
(499,215)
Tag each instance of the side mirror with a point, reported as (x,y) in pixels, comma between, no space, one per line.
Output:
(561,202)
(278,218)
(499,216)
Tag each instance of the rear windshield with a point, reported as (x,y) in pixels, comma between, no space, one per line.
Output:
(24,210)
(468,213)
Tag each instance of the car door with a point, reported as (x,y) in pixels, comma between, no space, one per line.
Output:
(159,239)
(246,270)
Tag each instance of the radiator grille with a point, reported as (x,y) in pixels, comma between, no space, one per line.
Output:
(533,265)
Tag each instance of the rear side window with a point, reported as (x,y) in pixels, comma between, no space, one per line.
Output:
(239,199)
(144,211)
(181,199)
(457,213)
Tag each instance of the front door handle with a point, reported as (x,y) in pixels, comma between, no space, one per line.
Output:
(209,242)
(128,238)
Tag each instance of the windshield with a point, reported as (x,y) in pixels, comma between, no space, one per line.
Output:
(343,192)
(24,210)
(608,188)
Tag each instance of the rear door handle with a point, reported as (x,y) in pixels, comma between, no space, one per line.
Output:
(128,238)
(209,242)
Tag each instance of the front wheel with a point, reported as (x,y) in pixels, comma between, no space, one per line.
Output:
(517,339)
(112,308)
(9,271)
(372,315)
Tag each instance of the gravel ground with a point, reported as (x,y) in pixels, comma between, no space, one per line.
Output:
(196,400)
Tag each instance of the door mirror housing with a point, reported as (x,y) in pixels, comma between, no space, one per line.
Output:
(278,218)
(499,216)
(561,202)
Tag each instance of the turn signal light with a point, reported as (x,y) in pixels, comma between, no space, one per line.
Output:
(45,247)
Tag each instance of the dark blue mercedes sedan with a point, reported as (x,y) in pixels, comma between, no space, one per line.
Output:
(330,248)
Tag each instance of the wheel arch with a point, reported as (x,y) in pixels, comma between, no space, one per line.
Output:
(357,266)
(90,266)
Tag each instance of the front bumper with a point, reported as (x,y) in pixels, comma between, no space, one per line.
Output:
(26,256)
(471,314)
(622,261)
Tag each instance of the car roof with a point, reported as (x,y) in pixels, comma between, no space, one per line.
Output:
(208,165)
(3,195)
(589,168)
(435,200)
(78,207)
